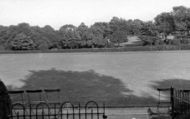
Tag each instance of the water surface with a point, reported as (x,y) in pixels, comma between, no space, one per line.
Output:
(137,70)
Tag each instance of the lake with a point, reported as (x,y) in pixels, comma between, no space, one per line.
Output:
(127,113)
(137,70)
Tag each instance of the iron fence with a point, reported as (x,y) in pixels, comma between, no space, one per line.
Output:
(179,101)
(66,110)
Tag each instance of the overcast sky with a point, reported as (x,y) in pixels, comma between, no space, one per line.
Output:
(60,12)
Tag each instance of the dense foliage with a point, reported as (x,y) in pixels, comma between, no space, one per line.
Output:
(100,34)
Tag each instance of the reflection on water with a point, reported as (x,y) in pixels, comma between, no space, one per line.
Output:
(86,85)
(135,69)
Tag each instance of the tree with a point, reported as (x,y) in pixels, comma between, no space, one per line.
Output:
(70,37)
(119,30)
(104,28)
(148,33)
(119,37)
(66,28)
(148,28)
(136,26)
(116,23)
(97,36)
(165,23)
(3,37)
(181,16)
(84,34)
(82,28)
(22,42)
(52,36)
(99,33)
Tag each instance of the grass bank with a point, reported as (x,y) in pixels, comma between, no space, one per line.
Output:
(116,49)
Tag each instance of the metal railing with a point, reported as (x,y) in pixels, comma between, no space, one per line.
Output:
(66,110)
(179,101)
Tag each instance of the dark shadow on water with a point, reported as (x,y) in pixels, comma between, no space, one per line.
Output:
(84,86)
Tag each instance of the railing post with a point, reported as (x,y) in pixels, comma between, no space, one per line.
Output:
(17,115)
(55,113)
(105,117)
(30,111)
(67,114)
(172,101)
(104,112)
(79,111)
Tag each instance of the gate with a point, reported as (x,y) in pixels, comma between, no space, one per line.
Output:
(179,101)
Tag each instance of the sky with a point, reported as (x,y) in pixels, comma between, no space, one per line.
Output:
(60,12)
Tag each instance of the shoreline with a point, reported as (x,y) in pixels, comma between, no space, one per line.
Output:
(97,50)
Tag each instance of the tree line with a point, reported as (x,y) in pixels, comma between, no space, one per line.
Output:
(100,34)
